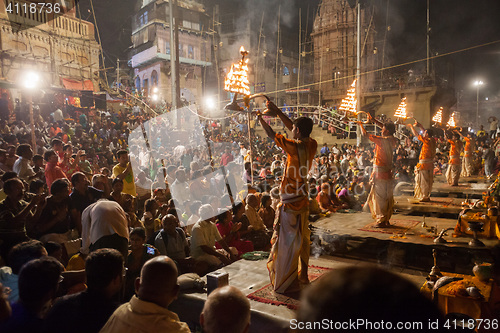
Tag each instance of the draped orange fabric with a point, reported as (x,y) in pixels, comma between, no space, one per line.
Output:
(427,153)
(292,181)
(467,144)
(456,147)
(384,147)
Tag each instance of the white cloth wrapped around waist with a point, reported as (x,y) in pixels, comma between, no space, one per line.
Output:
(427,161)
(378,168)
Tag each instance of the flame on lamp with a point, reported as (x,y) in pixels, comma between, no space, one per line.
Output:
(438,117)
(349,103)
(451,122)
(401,111)
(237,79)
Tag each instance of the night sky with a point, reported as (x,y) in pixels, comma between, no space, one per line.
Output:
(455,25)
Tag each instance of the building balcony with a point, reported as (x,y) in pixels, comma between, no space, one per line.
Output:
(151,55)
(64,24)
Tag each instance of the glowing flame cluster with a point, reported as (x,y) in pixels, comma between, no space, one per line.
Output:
(237,79)
(451,122)
(349,103)
(438,117)
(401,111)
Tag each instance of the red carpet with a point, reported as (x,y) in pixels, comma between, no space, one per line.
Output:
(267,294)
(397,226)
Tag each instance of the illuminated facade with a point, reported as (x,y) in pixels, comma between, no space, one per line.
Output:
(59,46)
(150,56)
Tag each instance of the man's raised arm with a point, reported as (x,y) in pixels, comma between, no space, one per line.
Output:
(276,111)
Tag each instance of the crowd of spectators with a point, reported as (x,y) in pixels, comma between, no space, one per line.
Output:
(107,194)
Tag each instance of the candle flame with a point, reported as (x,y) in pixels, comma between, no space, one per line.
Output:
(451,122)
(349,103)
(438,117)
(401,111)
(237,79)
(242,49)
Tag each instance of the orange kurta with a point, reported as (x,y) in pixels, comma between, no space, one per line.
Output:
(426,158)
(456,147)
(468,145)
(292,180)
(384,147)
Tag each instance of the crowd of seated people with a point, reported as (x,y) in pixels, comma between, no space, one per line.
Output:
(89,185)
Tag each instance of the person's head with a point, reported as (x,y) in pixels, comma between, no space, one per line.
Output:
(37,187)
(195,206)
(100,182)
(265,200)
(137,238)
(206,213)
(79,181)
(151,205)
(24,252)
(56,145)
(105,171)
(117,185)
(60,188)
(170,222)
(25,151)
(38,160)
(238,209)
(54,250)
(226,310)
(367,292)
(171,171)
(158,281)
(180,175)
(122,157)
(68,149)
(104,270)
(325,188)
(224,217)
(38,282)
(302,127)
(388,129)
(14,189)
(50,156)
(429,133)
(252,200)
(141,176)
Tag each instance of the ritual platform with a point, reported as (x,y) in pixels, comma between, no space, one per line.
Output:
(463,190)
(407,243)
(436,207)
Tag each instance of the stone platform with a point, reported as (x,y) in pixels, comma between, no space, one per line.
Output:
(463,190)
(437,206)
(346,235)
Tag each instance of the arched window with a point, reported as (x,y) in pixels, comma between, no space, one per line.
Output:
(286,71)
(154,79)
(138,83)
